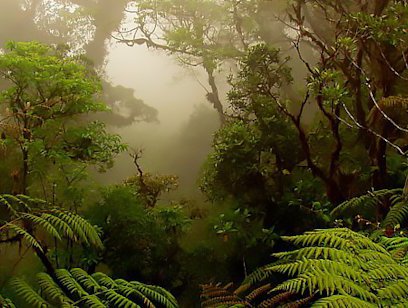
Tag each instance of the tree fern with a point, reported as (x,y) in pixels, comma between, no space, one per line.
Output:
(76,288)
(332,268)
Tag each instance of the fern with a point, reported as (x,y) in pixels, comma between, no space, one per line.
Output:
(6,303)
(25,291)
(342,301)
(51,290)
(333,268)
(81,227)
(76,288)
(25,235)
(38,220)
(397,214)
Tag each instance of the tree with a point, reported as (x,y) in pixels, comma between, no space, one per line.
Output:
(199,32)
(356,111)
(358,78)
(48,94)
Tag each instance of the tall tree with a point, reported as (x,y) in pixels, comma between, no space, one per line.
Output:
(42,111)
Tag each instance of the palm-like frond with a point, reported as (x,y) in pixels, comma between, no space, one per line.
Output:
(76,288)
(332,268)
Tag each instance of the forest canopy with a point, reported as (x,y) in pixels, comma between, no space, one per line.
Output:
(288,184)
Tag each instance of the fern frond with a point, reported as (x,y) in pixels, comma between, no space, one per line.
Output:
(279,298)
(339,238)
(328,253)
(155,294)
(87,281)
(258,291)
(395,290)
(61,225)
(117,300)
(333,267)
(221,300)
(32,241)
(46,225)
(51,290)
(91,301)
(260,274)
(24,290)
(6,303)
(397,214)
(325,283)
(127,290)
(104,280)
(389,272)
(85,231)
(70,283)
(367,202)
(5,203)
(342,301)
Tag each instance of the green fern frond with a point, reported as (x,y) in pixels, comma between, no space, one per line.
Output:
(367,202)
(342,301)
(389,272)
(61,225)
(339,238)
(314,253)
(155,294)
(26,236)
(30,296)
(91,301)
(326,284)
(82,228)
(397,214)
(51,290)
(104,280)
(5,203)
(127,290)
(117,300)
(46,225)
(70,283)
(87,281)
(260,274)
(395,290)
(333,267)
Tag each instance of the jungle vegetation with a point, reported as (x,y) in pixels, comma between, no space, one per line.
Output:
(305,186)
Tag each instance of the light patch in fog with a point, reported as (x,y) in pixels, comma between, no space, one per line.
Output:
(180,99)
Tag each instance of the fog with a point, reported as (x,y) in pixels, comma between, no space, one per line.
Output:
(178,142)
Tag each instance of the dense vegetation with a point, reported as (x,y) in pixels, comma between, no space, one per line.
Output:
(308,164)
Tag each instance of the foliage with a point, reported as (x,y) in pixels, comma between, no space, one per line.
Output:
(41,227)
(387,208)
(259,169)
(49,91)
(333,268)
(76,288)
(148,235)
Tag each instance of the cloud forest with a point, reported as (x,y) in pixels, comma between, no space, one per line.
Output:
(203,153)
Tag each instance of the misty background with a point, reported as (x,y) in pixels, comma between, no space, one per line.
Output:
(167,115)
